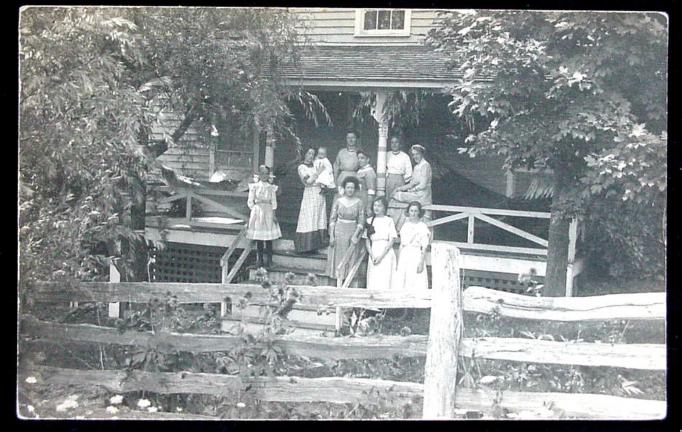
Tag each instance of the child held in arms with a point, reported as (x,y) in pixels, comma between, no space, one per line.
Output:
(324,167)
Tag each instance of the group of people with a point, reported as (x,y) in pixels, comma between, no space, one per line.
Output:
(357,218)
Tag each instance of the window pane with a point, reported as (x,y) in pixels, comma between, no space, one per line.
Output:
(370,20)
(384,20)
(398,20)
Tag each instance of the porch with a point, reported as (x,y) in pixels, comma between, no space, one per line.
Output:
(495,265)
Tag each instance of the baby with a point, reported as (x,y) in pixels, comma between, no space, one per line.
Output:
(326,177)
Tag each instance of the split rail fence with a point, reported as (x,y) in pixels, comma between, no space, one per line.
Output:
(442,346)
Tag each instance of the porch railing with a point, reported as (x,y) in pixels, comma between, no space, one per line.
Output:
(201,196)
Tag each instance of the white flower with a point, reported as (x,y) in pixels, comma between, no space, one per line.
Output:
(31,380)
(152,409)
(578,76)
(241,405)
(143,403)
(67,404)
(115,400)
(178,409)
(30,408)
(112,410)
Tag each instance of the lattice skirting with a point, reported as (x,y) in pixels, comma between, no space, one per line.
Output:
(180,262)
(494,280)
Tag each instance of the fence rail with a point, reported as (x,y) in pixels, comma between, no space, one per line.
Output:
(349,390)
(442,347)
(629,356)
(640,306)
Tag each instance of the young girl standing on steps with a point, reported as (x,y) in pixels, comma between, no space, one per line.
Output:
(263,226)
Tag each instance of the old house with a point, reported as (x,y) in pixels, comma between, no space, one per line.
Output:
(351,56)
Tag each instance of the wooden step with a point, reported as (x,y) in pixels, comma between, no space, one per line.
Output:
(316,263)
(276,274)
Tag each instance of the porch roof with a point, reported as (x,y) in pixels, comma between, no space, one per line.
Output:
(371,67)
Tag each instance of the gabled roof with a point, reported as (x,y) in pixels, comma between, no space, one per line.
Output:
(371,66)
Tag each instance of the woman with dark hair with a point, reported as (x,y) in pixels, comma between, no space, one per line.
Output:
(311,230)
(380,235)
(346,163)
(414,240)
(368,182)
(419,187)
(346,222)
(263,226)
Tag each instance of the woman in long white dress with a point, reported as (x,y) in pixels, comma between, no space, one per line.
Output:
(380,236)
(414,240)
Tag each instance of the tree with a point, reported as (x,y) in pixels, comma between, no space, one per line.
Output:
(88,79)
(583,94)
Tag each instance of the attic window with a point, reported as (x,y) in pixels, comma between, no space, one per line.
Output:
(382,22)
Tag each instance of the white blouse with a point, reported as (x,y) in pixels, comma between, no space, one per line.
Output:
(399,164)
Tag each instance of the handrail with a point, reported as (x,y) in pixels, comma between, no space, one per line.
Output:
(351,273)
(224,260)
(477,210)
(239,263)
(344,261)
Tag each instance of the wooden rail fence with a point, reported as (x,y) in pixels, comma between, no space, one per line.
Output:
(443,345)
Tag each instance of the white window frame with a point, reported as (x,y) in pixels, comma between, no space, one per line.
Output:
(360,24)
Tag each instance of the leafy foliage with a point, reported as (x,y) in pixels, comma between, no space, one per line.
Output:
(92,83)
(582,95)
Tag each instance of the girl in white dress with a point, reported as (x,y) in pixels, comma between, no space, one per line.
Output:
(263,226)
(414,239)
(380,235)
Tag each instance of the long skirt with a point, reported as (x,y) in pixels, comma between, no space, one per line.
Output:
(343,231)
(311,231)
(380,276)
(393,181)
(406,276)
(262,223)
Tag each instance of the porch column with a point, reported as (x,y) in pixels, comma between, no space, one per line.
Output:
(269,147)
(382,120)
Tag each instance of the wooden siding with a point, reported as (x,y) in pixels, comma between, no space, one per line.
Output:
(337,26)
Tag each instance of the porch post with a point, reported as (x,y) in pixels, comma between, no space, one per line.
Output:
(269,147)
(382,120)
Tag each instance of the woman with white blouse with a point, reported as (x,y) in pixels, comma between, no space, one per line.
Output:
(414,241)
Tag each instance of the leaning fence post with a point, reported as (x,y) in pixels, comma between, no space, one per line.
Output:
(444,334)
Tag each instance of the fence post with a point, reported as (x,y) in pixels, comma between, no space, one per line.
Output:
(444,334)
(114,276)
(572,240)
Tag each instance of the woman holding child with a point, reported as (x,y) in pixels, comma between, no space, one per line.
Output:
(311,230)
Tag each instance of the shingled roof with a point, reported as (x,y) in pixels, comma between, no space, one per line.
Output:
(380,66)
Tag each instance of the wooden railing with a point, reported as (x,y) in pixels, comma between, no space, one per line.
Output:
(485,215)
(471,214)
(201,195)
(443,345)
(227,273)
